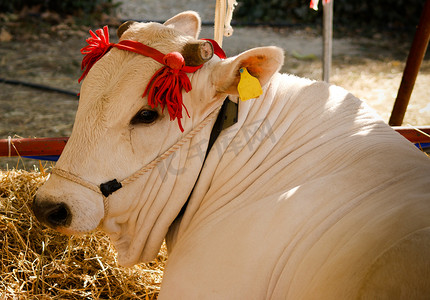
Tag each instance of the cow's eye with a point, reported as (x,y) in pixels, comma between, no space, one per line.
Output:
(145,116)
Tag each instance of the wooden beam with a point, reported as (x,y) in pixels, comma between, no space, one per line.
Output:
(220,12)
(413,63)
(327,38)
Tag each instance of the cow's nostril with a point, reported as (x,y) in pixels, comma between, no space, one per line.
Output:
(52,214)
(59,215)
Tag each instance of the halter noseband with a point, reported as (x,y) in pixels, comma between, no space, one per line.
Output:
(107,188)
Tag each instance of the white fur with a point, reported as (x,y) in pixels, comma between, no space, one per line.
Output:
(309,196)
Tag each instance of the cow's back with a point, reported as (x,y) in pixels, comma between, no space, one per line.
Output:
(306,212)
(366,191)
(344,235)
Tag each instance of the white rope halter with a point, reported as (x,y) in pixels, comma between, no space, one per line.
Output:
(223,16)
(133,177)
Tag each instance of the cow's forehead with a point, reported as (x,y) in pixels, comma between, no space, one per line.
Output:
(105,87)
(152,34)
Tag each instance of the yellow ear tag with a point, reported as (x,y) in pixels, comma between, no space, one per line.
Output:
(249,87)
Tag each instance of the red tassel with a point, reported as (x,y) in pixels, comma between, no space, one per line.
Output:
(165,87)
(98,45)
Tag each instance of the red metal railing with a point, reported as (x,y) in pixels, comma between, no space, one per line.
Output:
(32,146)
(54,146)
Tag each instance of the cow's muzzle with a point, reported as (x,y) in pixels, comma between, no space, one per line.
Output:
(52,214)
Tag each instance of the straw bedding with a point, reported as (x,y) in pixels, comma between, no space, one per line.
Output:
(39,263)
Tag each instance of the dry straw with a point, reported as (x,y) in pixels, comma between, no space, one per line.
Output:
(39,263)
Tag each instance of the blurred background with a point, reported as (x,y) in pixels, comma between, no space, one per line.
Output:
(40,42)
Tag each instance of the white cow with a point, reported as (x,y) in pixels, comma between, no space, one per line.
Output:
(310,195)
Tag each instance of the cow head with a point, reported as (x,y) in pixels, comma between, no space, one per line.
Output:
(117,133)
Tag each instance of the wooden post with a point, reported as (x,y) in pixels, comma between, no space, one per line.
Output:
(413,63)
(327,38)
(220,12)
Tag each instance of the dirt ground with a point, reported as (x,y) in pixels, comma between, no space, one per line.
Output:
(371,68)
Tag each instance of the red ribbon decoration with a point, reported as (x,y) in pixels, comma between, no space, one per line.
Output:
(166,85)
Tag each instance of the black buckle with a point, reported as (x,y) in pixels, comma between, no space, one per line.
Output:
(109,187)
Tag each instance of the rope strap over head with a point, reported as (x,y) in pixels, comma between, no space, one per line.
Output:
(109,187)
(164,89)
(166,85)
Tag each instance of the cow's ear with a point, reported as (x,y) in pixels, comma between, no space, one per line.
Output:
(261,63)
(187,22)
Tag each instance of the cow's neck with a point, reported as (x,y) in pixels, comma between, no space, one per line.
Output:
(275,136)
(159,195)
(227,117)
(235,146)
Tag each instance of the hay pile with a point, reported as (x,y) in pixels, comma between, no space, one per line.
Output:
(39,263)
